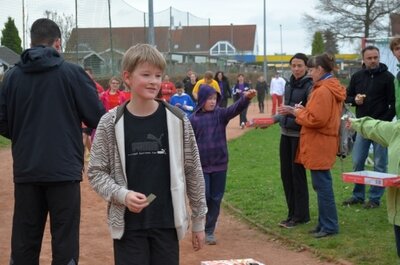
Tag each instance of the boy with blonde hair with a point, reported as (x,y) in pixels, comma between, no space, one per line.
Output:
(146,149)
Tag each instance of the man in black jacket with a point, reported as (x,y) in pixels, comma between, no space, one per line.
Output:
(43,101)
(371,90)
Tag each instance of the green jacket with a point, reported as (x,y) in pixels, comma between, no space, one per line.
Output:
(386,134)
(397,95)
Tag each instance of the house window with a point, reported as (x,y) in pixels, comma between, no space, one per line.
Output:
(223,48)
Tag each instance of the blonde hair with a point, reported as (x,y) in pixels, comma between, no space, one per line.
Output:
(142,53)
(394,42)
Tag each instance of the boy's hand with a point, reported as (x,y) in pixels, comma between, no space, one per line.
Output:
(251,93)
(136,201)
(198,239)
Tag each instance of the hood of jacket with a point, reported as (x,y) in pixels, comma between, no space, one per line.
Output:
(299,82)
(205,91)
(39,59)
(375,71)
(334,86)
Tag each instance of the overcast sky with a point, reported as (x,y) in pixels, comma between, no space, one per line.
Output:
(281,14)
(287,13)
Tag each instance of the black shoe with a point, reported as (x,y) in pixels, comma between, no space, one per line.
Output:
(315,230)
(292,223)
(370,205)
(288,224)
(352,201)
(321,234)
(284,222)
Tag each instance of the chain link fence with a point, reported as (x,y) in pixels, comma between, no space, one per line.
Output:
(97,33)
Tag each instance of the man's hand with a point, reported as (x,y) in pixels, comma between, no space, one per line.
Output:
(198,239)
(136,201)
(360,99)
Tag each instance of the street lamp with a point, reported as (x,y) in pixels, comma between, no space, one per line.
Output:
(265,66)
(280,28)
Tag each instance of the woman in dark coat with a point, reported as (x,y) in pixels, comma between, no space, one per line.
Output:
(225,88)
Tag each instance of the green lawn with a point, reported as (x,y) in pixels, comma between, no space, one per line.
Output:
(4,142)
(254,190)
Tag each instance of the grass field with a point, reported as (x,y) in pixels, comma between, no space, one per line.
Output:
(254,190)
(4,142)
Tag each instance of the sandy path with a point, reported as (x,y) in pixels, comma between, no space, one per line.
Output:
(235,239)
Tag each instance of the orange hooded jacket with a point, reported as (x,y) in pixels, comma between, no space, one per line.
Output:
(320,120)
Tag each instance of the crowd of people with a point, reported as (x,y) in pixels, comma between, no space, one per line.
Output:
(142,126)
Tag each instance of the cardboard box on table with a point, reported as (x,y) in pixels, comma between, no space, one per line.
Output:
(232,262)
(372,178)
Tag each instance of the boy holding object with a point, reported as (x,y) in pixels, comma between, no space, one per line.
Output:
(209,123)
(143,147)
(387,134)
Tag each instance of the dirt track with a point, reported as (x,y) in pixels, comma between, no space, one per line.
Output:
(235,239)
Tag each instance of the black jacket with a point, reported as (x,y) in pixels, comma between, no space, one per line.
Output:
(43,101)
(296,91)
(378,86)
(225,89)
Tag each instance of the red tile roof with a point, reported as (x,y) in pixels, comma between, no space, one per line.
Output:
(192,39)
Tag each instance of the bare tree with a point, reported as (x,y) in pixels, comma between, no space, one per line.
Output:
(353,19)
(65,22)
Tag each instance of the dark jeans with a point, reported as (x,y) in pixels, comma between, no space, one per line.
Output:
(243,116)
(294,180)
(397,238)
(147,247)
(32,204)
(327,214)
(260,99)
(215,189)
(360,154)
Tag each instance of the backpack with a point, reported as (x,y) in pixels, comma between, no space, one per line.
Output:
(346,135)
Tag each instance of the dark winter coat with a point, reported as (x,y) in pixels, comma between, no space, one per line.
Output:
(43,101)
(378,86)
(296,91)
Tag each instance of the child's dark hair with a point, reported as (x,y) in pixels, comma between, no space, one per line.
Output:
(44,32)
(178,84)
(325,60)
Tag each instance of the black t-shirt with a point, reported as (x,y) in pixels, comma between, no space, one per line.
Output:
(148,169)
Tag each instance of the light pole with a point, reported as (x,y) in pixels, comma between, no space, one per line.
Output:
(151,24)
(265,66)
(280,28)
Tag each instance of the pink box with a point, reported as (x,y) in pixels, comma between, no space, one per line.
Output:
(372,178)
(232,262)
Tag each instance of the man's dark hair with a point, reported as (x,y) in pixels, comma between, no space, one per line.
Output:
(369,48)
(44,32)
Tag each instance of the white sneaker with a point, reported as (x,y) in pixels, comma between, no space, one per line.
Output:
(242,125)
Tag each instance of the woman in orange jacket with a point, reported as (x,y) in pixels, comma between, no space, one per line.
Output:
(319,137)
